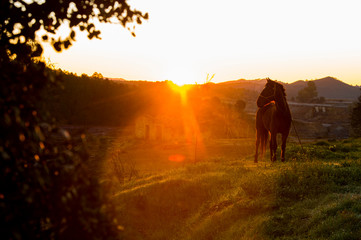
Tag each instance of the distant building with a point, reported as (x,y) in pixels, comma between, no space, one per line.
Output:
(322,120)
(157,128)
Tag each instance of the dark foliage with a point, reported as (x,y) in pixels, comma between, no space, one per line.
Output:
(20,20)
(46,190)
(87,101)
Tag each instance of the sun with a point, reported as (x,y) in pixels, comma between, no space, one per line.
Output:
(182,90)
(180,74)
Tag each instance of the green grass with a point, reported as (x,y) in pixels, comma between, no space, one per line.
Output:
(317,201)
(316,195)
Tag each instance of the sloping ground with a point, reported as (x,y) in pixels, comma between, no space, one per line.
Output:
(198,202)
(316,195)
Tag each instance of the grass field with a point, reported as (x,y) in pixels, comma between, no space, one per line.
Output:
(219,193)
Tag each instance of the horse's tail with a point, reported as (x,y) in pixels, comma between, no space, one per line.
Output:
(263,141)
(262,134)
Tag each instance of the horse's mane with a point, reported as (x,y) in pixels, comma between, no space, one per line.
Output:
(270,83)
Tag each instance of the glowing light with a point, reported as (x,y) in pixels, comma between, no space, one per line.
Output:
(180,76)
(182,90)
(247,39)
(21,137)
(176,158)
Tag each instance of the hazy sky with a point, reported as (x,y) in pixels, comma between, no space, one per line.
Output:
(182,41)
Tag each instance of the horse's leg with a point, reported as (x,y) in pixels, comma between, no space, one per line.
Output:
(259,131)
(257,145)
(283,148)
(273,147)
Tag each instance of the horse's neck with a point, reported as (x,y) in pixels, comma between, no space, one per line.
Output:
(283,107)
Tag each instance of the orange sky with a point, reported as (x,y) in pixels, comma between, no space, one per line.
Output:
(185,40)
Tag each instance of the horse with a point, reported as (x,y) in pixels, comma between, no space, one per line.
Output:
(273,116)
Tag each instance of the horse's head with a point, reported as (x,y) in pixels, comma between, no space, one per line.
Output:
(268,94)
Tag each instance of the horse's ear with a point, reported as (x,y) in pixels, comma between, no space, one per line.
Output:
(268,80)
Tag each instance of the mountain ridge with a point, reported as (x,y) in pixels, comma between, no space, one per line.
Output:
(328,87)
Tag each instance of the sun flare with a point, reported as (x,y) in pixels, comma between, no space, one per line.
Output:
(180,74)
(181,89)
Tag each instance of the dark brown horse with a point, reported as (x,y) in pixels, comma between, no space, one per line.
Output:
(273,116)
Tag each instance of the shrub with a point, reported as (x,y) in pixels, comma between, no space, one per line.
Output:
(123,168)
(46,190)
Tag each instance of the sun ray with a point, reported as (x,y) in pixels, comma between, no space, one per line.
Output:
(192,132)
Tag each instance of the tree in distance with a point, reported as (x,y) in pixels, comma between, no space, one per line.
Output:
(308,93)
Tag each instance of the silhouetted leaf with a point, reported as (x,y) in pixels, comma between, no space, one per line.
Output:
(66,44)
(57,46)
(72,35)
(90,27)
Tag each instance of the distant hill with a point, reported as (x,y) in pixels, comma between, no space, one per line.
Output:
(327,87)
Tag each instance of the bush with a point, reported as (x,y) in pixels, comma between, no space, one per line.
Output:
(46,190)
